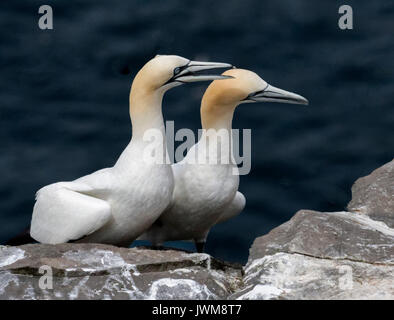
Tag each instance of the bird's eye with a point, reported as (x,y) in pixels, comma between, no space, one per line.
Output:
(177,70)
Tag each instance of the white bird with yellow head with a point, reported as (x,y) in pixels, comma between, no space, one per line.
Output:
(206,193)
(117,204)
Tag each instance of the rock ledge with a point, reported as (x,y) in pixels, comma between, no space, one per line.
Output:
(315,255)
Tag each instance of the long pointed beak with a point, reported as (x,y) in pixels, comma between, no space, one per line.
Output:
(189,74)
(273,94)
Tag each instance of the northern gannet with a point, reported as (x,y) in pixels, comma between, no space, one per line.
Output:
(206,193)
(115,205)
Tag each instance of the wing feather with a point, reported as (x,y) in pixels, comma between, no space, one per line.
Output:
(63,212)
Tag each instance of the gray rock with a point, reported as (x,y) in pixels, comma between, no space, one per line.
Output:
(373,195)
(296,276)
(330,235)
(315,255)
(95,271)
(318,255)
(337,255)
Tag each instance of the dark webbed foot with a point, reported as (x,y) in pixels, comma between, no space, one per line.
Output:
(200,246)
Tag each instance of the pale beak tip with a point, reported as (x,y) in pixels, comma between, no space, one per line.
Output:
(301,100)
(228,65)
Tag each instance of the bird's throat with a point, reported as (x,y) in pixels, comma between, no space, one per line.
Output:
(217,117)
(146,113)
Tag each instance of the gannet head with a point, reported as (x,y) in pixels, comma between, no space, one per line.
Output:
(167,71)
(245,86)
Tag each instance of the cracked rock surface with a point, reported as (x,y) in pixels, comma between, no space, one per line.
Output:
(373,195)
(318,255)
(330,255)
(315,255)
(96,271)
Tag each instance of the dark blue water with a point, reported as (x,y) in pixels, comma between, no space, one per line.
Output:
(64,97)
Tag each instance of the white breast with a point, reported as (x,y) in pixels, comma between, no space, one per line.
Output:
(201,193)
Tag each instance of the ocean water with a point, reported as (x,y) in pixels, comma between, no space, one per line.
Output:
(64,97)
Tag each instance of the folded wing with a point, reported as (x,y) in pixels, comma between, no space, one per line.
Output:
(67,211)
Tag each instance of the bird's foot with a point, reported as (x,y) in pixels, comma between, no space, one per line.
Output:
(200,245)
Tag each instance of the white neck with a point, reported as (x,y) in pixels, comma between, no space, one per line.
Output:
(146,113)
(147,122)
(216,141)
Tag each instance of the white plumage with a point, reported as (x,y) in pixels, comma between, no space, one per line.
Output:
(115,205)
(204,195)
(205,192)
